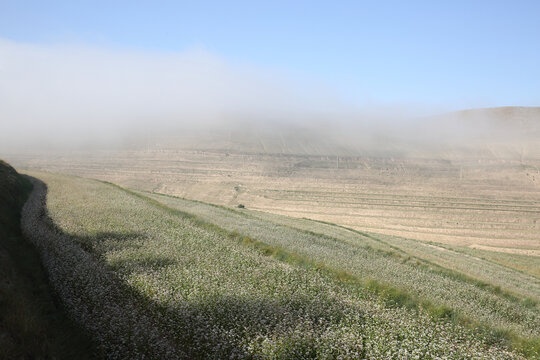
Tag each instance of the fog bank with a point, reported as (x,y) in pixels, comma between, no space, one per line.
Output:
(74,96)
(68,94)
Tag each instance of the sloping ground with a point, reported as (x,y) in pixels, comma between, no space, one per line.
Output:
(32,326)
(519,283)
(465,203)
(205,291)
(523,263)
(370,257)
(500,132)
(486,132)
(13,192)
(521,117)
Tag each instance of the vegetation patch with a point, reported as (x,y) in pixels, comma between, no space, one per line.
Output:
(211,291)
(32,324)
(391,294)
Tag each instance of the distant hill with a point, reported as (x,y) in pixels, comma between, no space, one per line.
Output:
(516,120)
(510,132)
(500,132)
(521,116)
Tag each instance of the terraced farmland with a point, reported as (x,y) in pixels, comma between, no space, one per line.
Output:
(161,276)
(483,203)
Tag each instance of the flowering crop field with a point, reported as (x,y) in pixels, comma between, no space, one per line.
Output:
(245,221)
(151,276)
(355,254)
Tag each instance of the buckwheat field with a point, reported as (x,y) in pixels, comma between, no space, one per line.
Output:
(155,276)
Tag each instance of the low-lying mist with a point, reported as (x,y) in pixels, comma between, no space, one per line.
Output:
(68,95)
(81,97)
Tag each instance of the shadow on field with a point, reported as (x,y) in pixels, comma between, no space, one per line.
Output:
(32,324)
(210,328)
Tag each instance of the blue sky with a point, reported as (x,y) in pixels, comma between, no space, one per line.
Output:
(454,54)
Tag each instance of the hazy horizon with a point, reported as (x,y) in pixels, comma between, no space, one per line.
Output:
(76,76)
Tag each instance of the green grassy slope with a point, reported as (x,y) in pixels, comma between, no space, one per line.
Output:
(31,324)
(465,261)
(218,293)
(523,263)
(379,259)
